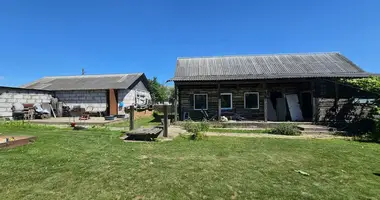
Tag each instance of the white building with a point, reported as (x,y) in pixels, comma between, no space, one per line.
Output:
(97,93)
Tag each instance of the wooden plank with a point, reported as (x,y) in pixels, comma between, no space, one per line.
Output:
(219,104)
(112,102)
(131,117)
(265,102)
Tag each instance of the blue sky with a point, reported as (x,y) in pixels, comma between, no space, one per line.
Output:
(46,38)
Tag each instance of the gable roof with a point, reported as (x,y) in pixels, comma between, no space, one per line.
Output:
(87,82)
(308,65)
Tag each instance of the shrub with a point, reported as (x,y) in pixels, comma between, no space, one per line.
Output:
(374,134)
(286,129)
(196,129)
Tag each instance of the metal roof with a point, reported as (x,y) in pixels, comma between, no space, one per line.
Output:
(85,82)
(275,66)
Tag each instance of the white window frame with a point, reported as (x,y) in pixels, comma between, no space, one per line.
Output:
(229,108)
(206,101)
(258,100)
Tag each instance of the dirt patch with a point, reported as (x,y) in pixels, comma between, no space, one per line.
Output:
(15,141)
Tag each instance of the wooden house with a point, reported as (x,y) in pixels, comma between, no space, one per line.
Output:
(279,87)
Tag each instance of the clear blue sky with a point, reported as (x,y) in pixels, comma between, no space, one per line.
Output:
(46,38)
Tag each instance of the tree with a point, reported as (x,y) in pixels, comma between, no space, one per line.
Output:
(370,84)
(158,91)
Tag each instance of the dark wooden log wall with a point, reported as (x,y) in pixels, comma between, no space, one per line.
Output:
(334,102)
(187,104)
(323,92)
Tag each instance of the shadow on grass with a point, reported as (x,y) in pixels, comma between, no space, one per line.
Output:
(376,174)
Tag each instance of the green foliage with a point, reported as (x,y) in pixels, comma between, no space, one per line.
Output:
(286,129)
(159,92)
(196,128)
(371,84)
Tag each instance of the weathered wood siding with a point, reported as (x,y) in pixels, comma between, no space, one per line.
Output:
(323,93)
(329,108)
(187,105)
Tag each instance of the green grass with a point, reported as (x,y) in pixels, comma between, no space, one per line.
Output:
(226,130)
(65,164)
(144,121)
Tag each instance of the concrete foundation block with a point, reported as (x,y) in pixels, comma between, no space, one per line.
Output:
(18,96)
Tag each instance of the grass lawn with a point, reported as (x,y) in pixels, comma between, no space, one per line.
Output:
(65,164)
(144,121)
(226,130)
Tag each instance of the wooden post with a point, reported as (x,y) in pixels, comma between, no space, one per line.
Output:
(166,121)
(314,111)
(265,102)
(131,117)
(336,96)
(175,103)
(219,104)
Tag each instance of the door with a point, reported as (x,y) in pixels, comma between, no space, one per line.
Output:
(112,102)
(307,105)
(294,107)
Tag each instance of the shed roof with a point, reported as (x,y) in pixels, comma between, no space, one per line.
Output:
(274,66)
(85,82)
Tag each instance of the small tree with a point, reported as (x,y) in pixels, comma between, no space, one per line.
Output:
(158,91)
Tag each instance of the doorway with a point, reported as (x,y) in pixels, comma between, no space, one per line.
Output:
(112,103)
(306,105)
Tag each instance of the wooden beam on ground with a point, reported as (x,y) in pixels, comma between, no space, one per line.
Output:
(166,120)
(131,117)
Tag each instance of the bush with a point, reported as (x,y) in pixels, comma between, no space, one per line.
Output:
(286,129)
(196,129)
(374,134)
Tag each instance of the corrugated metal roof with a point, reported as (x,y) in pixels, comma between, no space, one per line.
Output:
(308,65)
(85,82)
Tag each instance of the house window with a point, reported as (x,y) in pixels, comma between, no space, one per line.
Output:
(251,100)
(200,102)
(226,100)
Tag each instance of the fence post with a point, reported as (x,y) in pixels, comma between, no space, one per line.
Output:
(166,121)
(131,117)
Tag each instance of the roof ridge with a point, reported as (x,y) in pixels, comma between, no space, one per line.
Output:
(269,54)
(89,75)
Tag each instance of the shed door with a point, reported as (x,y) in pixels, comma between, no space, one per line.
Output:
(112,102)
(294,107)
